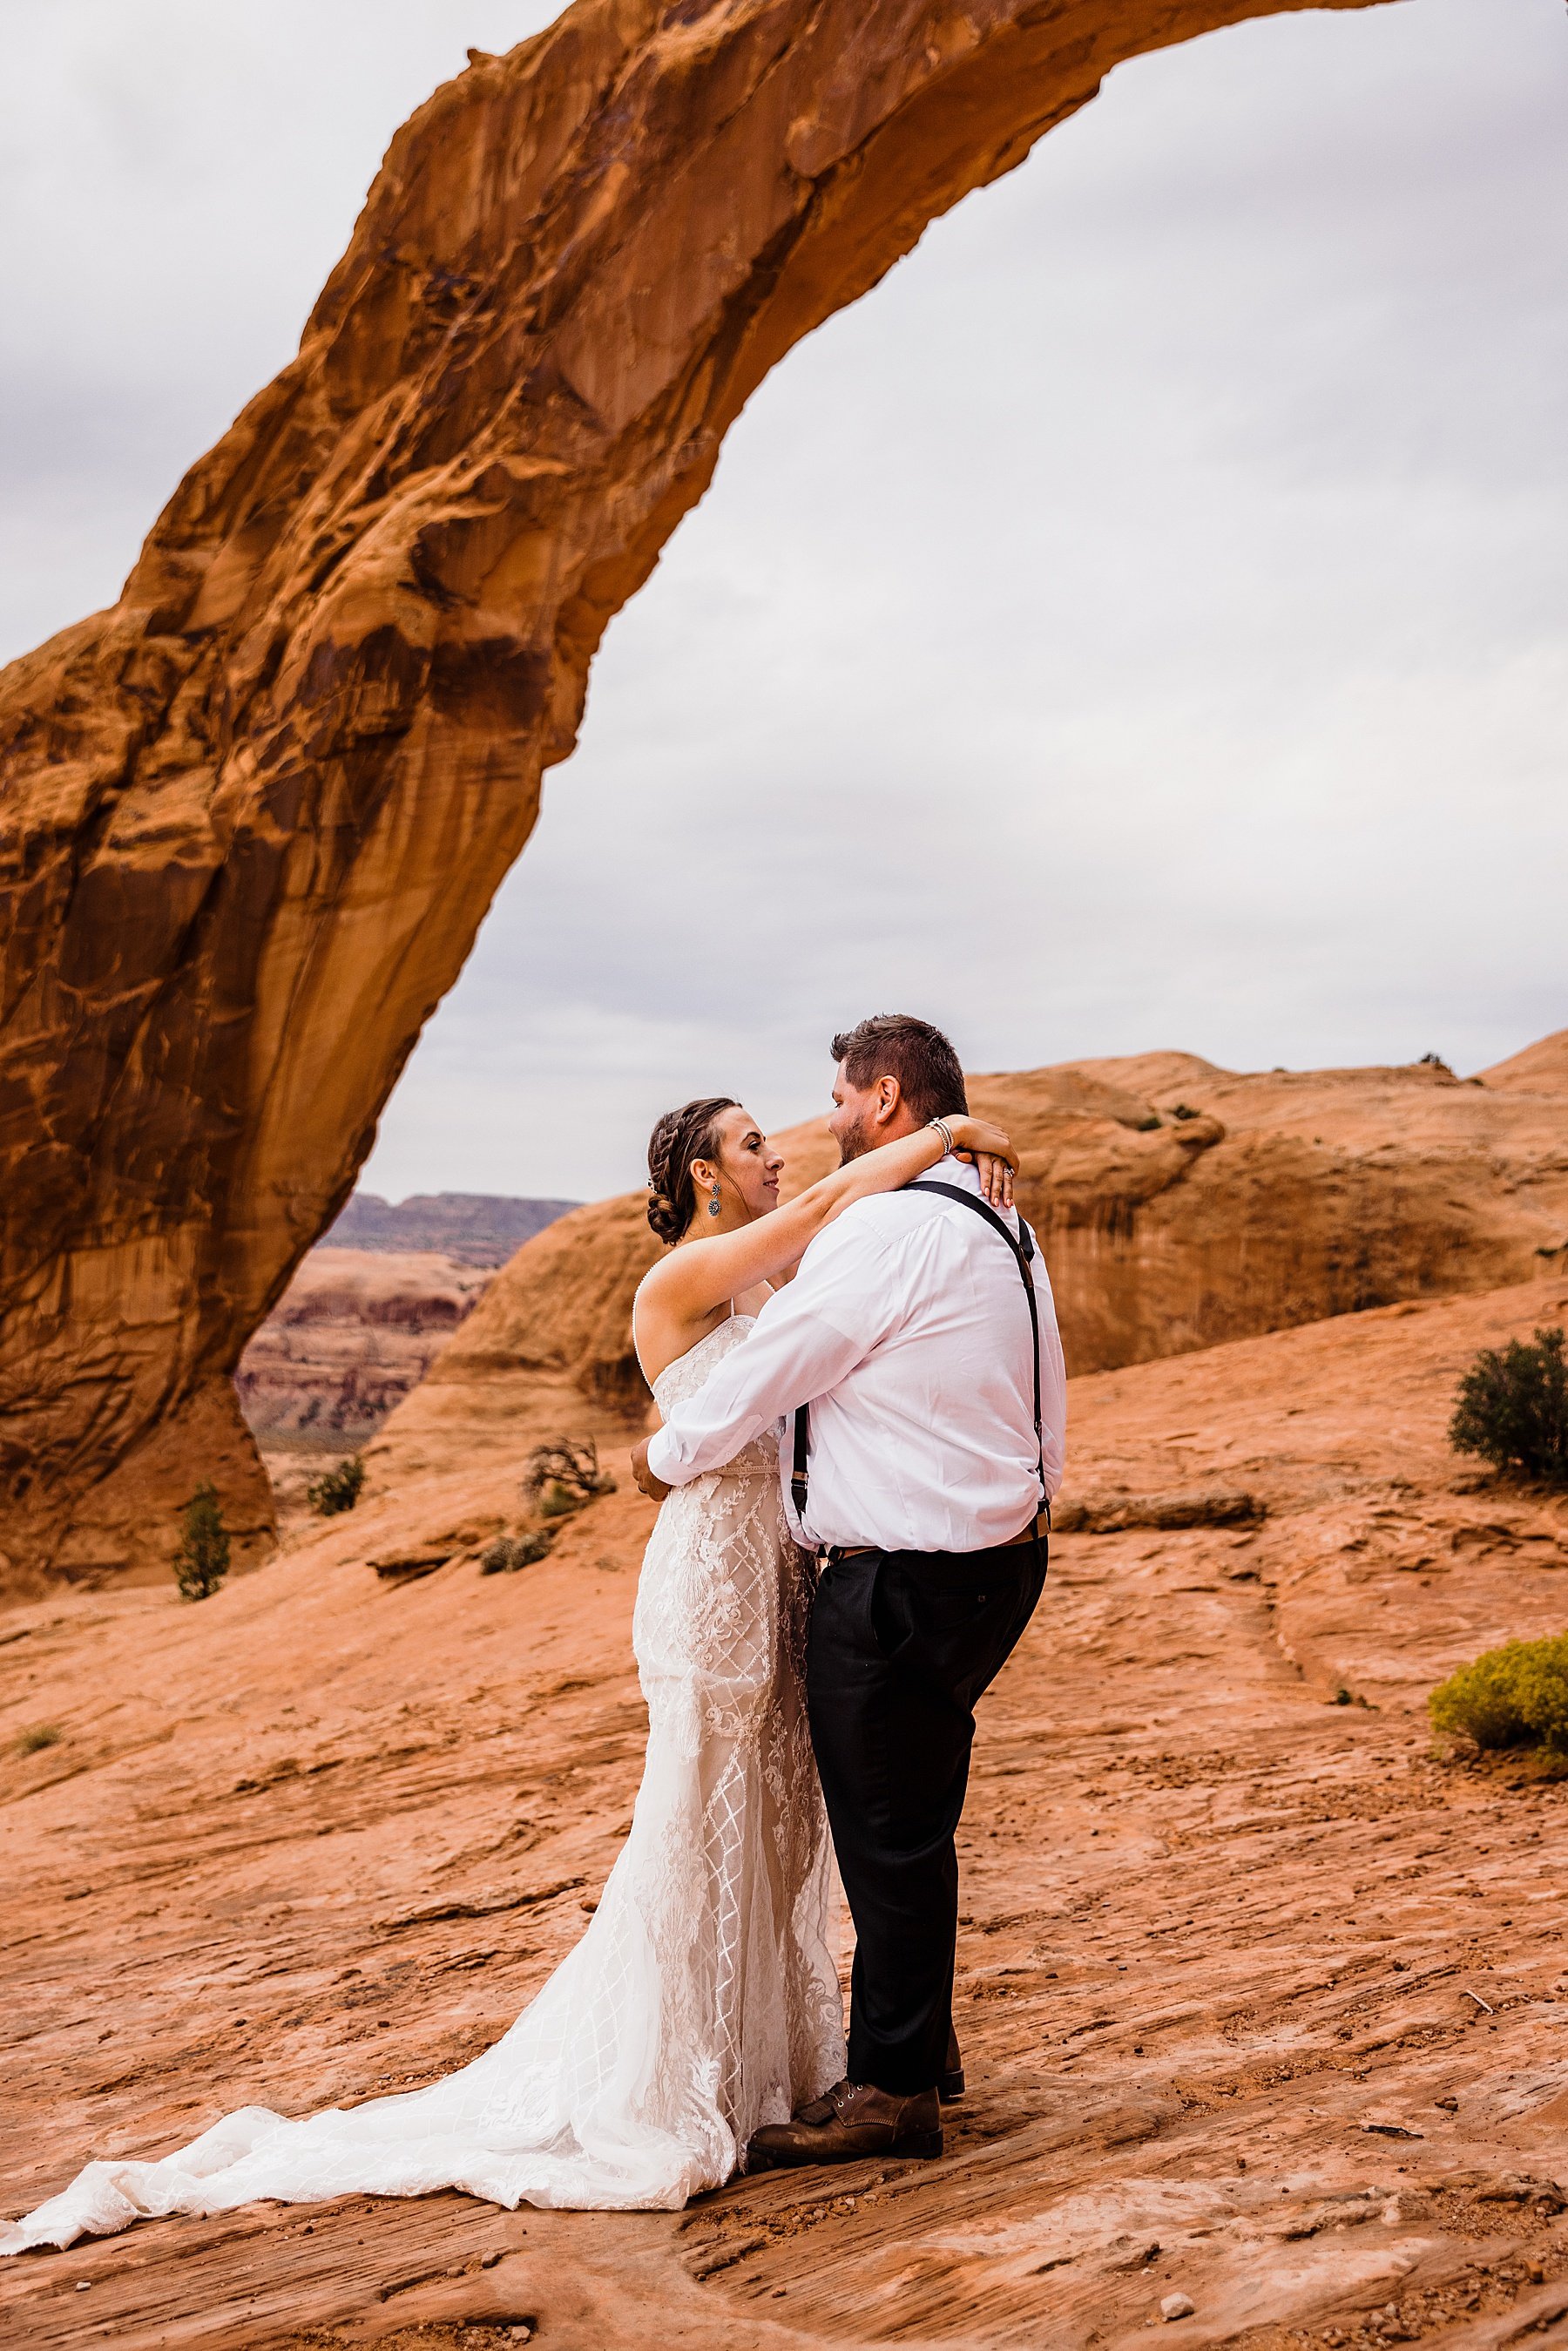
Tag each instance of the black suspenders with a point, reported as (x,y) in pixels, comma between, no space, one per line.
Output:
(1024,1251)
(798,1479)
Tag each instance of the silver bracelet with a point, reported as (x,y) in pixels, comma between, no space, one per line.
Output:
(944,1130)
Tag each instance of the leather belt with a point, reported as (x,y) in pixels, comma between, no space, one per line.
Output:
(828,1553)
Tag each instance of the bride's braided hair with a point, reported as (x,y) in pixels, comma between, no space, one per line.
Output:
(680,1136)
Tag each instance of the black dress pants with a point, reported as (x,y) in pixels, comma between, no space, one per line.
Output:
(901,1646)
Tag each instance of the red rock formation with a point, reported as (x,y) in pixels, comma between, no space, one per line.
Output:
(253,815)
(1263,1201)
(1541,1068)
(1180,1206)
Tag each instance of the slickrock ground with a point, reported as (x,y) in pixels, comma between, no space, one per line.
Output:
(1179,1205)
(1262,2006)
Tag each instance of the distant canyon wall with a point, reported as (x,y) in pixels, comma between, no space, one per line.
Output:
(354,1332)
(251,817)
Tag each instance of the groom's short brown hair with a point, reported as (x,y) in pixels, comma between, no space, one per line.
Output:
(896,1045)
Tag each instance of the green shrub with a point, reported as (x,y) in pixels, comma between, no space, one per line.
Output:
(509,1553)
(563,1476)
(201,1560)
(559,1477)
(1512,1408)
(1513,1696)
(336,1490)
(42,1735)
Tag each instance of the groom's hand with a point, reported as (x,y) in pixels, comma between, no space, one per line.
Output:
(643,1476)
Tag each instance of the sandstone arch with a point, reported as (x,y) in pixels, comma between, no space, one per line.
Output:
(253,816)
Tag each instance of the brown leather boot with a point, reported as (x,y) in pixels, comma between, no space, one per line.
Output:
(950,2088)
(853,2119)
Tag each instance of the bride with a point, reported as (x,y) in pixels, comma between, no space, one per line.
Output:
(702,2000)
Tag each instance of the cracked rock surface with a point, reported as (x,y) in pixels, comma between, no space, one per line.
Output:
(1264,2007)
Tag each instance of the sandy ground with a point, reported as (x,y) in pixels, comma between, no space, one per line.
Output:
(1262,2005)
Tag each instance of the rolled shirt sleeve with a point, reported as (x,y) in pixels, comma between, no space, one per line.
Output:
(808,1337)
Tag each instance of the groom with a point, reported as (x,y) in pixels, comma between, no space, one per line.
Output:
(917,1355)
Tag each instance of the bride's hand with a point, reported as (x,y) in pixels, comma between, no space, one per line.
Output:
(974,1138)
(990,1151)
(996,1177)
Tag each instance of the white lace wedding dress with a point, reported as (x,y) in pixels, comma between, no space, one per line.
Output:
(702,2000)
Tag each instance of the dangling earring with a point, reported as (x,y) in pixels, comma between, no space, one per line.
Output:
(714,1208)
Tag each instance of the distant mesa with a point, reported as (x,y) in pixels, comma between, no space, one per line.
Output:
(474,1228)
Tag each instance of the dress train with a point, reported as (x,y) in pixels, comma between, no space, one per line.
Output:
(702,2000)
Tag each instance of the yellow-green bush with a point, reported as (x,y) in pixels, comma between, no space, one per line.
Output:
(1513,1696)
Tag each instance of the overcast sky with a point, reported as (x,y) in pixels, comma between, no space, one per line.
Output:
(1140,622)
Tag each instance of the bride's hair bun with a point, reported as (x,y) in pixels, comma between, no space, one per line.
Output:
(680,1136)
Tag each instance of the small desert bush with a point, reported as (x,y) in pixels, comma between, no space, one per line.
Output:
(201,1560)
(1513,1696)
(563,1476)
(336,1490)
(1512,1408)
(42,1735)
(509,1553)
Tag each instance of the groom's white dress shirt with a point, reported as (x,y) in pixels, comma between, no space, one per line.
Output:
(907,1330)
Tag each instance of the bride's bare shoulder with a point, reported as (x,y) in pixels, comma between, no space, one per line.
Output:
(655,1283)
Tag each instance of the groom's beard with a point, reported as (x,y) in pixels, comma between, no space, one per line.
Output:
(856,1143)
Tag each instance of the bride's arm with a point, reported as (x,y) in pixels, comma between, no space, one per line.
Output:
(690,1281)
